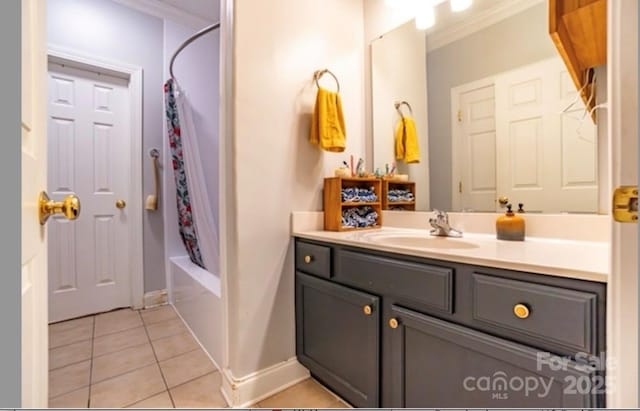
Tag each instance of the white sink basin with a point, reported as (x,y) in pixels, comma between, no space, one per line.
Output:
(415,241)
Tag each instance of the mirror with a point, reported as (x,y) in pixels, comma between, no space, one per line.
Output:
(498,118)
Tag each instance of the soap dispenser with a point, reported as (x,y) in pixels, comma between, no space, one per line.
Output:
(510,226)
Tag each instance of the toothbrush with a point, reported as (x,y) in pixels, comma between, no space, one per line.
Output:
(351,159)
(359,165)
(393,168)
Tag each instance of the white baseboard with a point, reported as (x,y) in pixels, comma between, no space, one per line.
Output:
(248,390)
(155,298)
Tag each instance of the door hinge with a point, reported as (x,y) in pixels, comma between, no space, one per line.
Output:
(625,204)
(459,116)
(460,187)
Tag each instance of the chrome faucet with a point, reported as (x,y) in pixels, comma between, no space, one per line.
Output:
(441,227)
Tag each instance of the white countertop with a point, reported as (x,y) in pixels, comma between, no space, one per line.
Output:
(584,260)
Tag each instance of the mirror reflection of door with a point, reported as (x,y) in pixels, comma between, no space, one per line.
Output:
(512,138)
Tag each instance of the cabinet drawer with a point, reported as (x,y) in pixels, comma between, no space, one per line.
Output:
(313,259)
(557,317)
(422,283)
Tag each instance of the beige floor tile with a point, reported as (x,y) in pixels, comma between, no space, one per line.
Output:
(307,394)
(70,332)
(127,388)
(166,329)
(69,354)
(155,315)
(119,341)
(69,324)
(203,392)
(69,378)
(175,345)
(115,321)
(185,367)
(74,399)
(120,362)
(161,400)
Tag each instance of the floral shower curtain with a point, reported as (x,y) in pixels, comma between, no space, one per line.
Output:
(186,223)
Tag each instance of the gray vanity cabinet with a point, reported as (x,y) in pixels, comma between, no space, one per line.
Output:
(434,363)
(337,337)
(390,330)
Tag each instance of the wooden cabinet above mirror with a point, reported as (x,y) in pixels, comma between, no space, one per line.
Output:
(578,29)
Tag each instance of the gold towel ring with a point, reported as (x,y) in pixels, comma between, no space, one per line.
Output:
(319,73)
(398,104)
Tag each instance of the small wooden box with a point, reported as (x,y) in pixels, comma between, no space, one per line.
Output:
(389,184)
(333,204)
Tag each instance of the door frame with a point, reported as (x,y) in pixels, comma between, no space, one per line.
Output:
(134,74)
(456,135)
(622,129)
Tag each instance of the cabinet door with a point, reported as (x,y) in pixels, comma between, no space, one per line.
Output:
(436,364)
(337,338)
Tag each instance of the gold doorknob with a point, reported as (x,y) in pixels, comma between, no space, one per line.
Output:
(521,311)
(69,207)
(393,323)
(121,204)
(307,259)
(503,200)
(367,310)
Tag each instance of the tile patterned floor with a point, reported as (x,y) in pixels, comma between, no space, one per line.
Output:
(146,359)
(129,358)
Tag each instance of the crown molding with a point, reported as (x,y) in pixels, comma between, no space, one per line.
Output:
(166,12)
(441,37)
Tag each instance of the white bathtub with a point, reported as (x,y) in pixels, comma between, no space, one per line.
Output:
(195,293)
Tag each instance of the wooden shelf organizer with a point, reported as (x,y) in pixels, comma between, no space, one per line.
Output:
(389,184)
(333,204)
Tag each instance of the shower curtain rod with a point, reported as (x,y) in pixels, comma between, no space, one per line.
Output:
(189,41)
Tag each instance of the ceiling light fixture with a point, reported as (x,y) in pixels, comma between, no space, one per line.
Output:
(425,10)
(425,16)
(460,5)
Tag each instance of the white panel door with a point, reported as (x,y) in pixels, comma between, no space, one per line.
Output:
(34,175)
(547,160)
(476,134)
(88,155)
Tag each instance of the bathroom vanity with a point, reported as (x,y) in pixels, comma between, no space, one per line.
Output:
(397,329)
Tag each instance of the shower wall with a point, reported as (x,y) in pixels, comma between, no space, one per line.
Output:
(197,71)
(194,292)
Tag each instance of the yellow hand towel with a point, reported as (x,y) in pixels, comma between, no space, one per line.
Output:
(327,122)
(406,141)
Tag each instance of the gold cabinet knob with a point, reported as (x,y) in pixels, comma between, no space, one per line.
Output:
(503,200)
(121,204)
(521,311)
(367,309)
(393,323)
(308,259)
(69,207)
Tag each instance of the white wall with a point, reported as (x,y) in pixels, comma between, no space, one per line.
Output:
(110,31)
(278,46)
